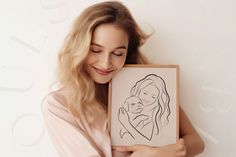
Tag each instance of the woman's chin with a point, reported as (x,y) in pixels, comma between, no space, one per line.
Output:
(102,81)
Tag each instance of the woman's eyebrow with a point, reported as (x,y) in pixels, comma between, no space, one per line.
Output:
(119,47)
(96,44)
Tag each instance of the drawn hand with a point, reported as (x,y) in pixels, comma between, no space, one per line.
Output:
(123,115)
(141,117)
(173,150)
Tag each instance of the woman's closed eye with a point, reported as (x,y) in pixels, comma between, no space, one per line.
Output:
(117,53)
(95,50)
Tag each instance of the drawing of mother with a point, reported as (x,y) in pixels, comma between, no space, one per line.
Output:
(153,101)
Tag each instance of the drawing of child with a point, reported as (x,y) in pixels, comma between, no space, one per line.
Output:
(133,106)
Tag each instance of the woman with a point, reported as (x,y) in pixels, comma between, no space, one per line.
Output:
(104,38)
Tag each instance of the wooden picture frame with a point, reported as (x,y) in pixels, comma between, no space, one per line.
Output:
(144,105)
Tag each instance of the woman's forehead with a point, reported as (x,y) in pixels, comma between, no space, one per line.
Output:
(110,36)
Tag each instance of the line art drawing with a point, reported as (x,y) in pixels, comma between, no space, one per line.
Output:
(146,110)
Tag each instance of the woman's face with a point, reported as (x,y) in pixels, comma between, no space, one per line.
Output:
(108,51)
(148,94)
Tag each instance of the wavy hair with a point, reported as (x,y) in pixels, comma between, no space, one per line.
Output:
(71,75)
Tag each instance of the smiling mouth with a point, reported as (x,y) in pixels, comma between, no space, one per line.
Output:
(102,72)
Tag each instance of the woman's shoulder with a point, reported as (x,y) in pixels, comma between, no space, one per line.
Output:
(54,99)
(54,104)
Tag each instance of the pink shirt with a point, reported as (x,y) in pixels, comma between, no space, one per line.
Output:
(73,137)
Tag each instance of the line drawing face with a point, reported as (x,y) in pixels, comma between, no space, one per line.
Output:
(146,111)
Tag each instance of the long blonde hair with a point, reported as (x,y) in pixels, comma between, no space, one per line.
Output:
(71,75)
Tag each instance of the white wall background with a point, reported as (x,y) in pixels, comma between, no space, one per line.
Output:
(199,35)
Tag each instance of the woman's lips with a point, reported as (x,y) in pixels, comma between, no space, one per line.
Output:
(102,72)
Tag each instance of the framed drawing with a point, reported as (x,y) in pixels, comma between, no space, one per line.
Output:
(143,105)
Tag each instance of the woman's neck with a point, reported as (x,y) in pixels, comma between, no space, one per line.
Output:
(102,93)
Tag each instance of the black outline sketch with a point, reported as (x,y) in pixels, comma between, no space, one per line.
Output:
(145,112)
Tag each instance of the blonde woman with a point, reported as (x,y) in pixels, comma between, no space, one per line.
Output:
(104,38)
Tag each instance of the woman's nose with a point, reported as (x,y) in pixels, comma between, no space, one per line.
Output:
(105,61)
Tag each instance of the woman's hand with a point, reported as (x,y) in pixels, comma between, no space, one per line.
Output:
(173,150)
